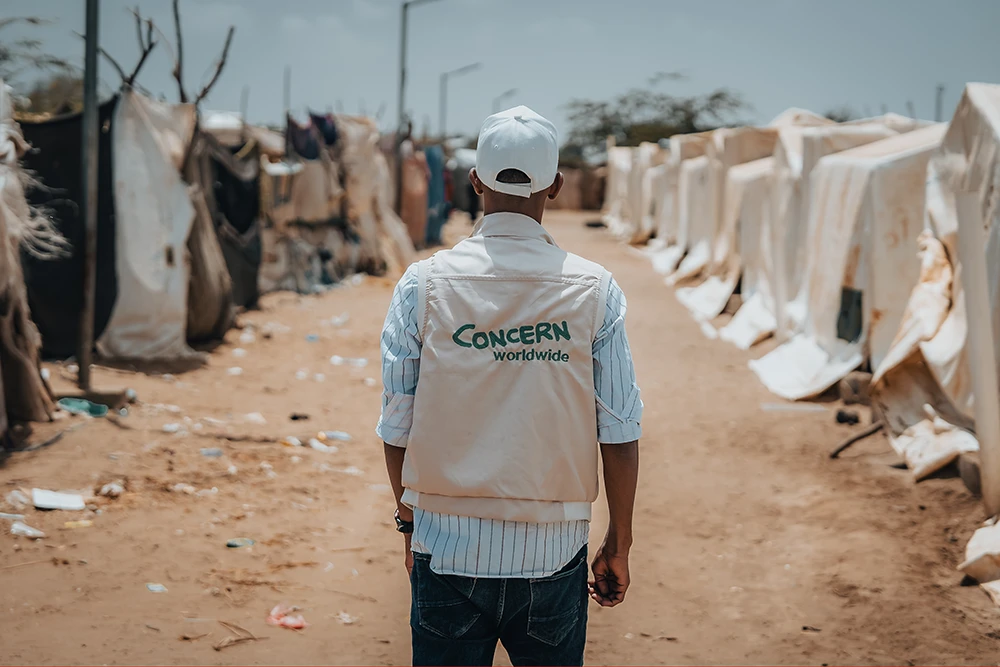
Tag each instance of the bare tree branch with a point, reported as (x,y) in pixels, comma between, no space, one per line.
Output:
(138,30)
(151,28)
(107,56)
(179,62)
(218,67)
(30,20)
(142,61)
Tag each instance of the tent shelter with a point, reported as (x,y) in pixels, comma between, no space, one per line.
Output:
(923,384)
(866,211)
(785,229)
(24,395)
(617,211)
(743,212)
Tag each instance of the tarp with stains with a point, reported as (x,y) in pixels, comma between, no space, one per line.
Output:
(866,211)
(923,385)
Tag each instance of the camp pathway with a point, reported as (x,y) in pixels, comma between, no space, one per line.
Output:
(751,546)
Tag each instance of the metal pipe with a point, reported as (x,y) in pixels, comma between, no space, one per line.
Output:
(443,107)
(400,110)
(982,357)
(938,103)
(88,199)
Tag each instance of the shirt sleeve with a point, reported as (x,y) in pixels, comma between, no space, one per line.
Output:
(401,345)
(619,408)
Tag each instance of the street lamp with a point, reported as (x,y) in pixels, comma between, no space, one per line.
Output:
(443,104)
(499,99)
(404,9)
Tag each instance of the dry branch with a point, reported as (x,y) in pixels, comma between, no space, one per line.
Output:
(218,66)
(179,62)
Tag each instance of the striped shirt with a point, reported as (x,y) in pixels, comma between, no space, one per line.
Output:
(473,547)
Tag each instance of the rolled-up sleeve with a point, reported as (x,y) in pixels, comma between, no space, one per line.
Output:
(619,407)
(400,344)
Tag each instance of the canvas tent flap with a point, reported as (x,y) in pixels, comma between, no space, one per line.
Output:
(155,214)
(799,117)
(866,212)
(927,367)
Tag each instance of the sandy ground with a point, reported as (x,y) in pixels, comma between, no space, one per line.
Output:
(751,546)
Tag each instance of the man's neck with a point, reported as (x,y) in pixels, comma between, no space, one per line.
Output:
(534,215)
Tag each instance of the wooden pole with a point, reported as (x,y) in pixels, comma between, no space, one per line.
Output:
(982,357)
(938,103)
(91,122)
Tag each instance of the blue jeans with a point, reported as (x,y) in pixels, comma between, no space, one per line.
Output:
(458,620)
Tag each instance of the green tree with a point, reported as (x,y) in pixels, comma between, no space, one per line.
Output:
(18,56)
(841,114)
(645,115)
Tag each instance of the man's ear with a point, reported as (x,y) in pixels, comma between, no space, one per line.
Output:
(556,186)
(477,184)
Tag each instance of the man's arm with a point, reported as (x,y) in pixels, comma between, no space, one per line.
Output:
(621,473)
(619,412)
(401,346)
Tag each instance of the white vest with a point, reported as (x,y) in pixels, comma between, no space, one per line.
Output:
(505,418)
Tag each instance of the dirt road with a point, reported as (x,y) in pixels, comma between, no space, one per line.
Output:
(751,546)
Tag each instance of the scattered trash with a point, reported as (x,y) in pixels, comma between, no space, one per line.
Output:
(213,422)
(792,407)
(240,636)
(167,377)
(45,374)
(268,469)
(73,368)
(84,523)
(235,370)
(312,338)
(81,406)
(848,417)
(296,459)
(329,566)
(239,542)
(319,377)
(17,499)
(11,517)
(298,416)
(357,280)
(302,374)
(232,470)
(112,489)
(334,435)
(131,395)
(211,452)
(370,382)
(247,337)
(338,360)
(156,588)
(291,441)
(346,618)
(351,470)
(628,635)
(320,447)
(809,628)
(281,616)
(172,428)
(239,352)
(24,530)
(340,320)
(180,487)
(208,492)
(53,500)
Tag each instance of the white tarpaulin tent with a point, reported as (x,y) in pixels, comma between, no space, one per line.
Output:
(616,202)
(729,147)
(923,386)
(866,210)
(667,249)
(784,234)
(744,210)
(154,213)
(630,219)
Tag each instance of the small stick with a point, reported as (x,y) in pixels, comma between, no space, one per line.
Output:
(341,549)
(874,428)
(30,562)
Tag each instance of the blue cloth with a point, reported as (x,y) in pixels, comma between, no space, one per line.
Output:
(436,210)
(458,620)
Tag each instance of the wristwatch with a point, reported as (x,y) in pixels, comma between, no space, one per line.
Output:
(405,527)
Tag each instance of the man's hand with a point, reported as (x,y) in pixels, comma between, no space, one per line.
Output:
(611,578)
(408,558)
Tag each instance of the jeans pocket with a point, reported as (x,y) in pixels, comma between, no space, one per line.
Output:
(557,604)
(443,604)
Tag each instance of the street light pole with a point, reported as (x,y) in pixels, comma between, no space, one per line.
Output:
(499,99)
(91,123)
(401,109)
(443,102)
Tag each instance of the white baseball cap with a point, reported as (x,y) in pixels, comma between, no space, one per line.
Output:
(519,139)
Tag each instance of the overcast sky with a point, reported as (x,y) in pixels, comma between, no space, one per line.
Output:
(816,54)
